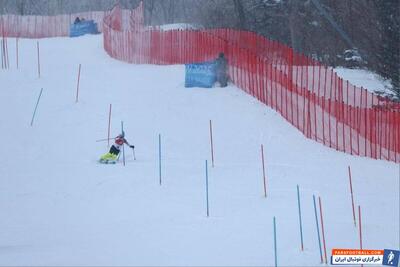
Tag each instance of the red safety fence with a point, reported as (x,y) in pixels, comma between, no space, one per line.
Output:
(307,94)
(45,26)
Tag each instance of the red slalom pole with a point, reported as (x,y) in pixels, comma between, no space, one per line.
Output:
(352,198)
(38,58)
(359,226)
(77,86)
(322,227)
(16,44)
(212,145)
(263,166)
(6,54)
(109,127)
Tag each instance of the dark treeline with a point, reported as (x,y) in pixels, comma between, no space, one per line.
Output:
(351,33)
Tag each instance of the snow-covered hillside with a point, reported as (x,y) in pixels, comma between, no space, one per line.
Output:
(60,207)
(366,79)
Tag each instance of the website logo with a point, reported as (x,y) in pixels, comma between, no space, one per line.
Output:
(391,257)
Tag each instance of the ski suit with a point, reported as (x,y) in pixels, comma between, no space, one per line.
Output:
(115,149)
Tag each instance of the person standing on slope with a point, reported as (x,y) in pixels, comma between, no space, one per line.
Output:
(115,149)
(221,70)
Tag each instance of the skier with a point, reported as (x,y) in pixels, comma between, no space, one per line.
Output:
(221,67)
(115,149)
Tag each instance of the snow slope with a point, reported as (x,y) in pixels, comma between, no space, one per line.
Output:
(60,207)
(367,79)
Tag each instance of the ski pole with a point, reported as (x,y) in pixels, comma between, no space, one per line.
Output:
(133,150)
(102,140)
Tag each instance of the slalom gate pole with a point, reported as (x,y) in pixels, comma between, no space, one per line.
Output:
(300,222)
(38,58)
(208,209)
(37,103)
(159,157)
(16,44)
(212,145)
(359,226)
(123,146)
(263,166)
(109,127)
(275,248)
(2,53)
(352,198)
(1,42)
(7,56)
(316,222)
(322,227)
(77,85)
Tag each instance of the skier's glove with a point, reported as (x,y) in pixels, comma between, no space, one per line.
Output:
(132,147)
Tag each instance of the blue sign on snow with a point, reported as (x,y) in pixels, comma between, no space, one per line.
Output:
(200,74)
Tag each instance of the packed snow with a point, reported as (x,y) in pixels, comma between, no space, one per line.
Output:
(60,206)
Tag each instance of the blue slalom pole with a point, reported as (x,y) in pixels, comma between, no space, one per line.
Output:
(208,211)
(316,221)
(37,103)
(123,146)
(301,225)
(276,254)
(159,156)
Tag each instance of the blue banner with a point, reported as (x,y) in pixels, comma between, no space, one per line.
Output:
(82,28)
(200,74)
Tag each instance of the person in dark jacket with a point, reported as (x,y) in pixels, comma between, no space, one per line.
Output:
(77,20)
(221,69)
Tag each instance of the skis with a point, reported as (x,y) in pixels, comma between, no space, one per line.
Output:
(107,161)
